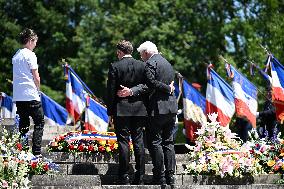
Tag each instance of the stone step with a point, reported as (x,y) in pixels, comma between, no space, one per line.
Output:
(180,180)
(66,180)
(253,186)
(64,157)
(105,168)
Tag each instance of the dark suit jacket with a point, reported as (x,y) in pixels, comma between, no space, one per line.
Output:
(159,74)
(129,73)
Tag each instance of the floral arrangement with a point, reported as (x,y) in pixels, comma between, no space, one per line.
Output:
(86,141)
(217,152)
(16,164)
(269,152)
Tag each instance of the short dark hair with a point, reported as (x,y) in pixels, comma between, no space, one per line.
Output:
(125,46)
(26,35)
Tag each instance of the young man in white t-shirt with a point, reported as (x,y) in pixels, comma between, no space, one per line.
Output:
(26,87)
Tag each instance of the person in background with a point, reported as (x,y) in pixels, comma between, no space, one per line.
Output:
(128,112)
(243,127)
(267,116)
(163,108)
(26,89)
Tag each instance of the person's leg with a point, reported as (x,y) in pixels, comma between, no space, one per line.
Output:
(121,126)
(155,132)
(136,130)
(38,118)
(168,147)
(24,122)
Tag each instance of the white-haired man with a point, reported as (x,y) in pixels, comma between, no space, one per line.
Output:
(162,109)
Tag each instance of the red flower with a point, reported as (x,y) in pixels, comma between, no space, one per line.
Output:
(257,145)
(34,165)
(81,148)
(19,146)
(45,167)
(101,149)
(276,168)
(91,148)
(111,147)
(61,137)
(71,147)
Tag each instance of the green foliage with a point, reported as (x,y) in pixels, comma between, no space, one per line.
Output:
(190,34)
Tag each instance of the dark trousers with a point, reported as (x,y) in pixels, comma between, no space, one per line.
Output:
(124,128)
(34,109)
(163,152)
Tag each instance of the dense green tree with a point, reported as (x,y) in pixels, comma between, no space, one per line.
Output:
(190,34)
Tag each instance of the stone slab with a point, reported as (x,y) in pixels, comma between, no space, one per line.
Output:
(65,180)
(214,180)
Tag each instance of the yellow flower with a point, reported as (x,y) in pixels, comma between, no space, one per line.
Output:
(282,154)
(282,167)
(108,149)
(102,142)
(115,145)
(270,163)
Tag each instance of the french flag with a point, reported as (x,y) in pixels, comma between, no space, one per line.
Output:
(193,109)
(245,94)
(219,98)
(8,107)
(277,74)
(76,94)
(96,118)
(54,113)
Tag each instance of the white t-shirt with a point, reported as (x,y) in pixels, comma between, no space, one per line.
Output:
(24,88)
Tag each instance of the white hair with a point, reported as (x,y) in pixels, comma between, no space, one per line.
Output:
(148,46)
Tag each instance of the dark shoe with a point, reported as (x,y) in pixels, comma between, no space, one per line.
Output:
(138,181)
(124,181)
(161,182)
(171,180)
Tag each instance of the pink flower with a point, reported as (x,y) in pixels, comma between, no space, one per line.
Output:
(198,147)
(4,184)
(263,148)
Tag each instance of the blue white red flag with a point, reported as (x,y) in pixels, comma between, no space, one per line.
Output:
(76,94)
(54,113)
(8,107)
(193,104)
(96,118)
(219,98)
(193,110)
(245,94)
(277,74)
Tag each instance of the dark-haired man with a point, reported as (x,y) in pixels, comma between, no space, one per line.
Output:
(26,87)
(128,113)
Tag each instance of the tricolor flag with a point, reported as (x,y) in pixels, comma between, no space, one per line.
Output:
(245,94)
(277,74)
(219,98)
(8,107)
(76,93)
(193,109)
(54,113)
(96,118)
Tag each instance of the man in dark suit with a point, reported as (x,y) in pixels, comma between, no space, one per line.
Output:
(128,113)
(162,109)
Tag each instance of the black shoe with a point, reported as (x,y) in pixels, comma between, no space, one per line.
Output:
(138,179)
(161,182)
(124,181)
(138,182)
(171,180)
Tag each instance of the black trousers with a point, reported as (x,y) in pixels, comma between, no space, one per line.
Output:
(163,152)
(124,128)
(34,109)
